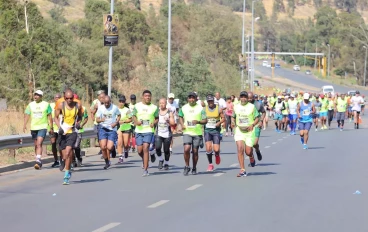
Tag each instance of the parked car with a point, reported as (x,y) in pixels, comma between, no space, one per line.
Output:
(264,63)
(268,65)
(352,92)
(296,68)
(277,66)
(308,72)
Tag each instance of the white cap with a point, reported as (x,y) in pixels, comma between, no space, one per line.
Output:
(292,95)
(306,96)
(171,95)
(39,92)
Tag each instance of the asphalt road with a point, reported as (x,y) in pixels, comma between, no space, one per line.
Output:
(292,190)
(301,77)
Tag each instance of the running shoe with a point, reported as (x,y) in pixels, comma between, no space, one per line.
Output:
(80,162)
(166,167)
(218,159)
(160,164)
(107,166)
(145,173)
(67,177)
(194,171)
(242,173)
(341,129)
(305,146)
(126,155)
(133,149)
(153,158)
(210,168)
(120,160)
(62,165)
(252,161)
(38,164)
(259,155)
(56,164)
(186,171)
(75,164)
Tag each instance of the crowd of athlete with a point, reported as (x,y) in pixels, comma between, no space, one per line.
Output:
(149,128)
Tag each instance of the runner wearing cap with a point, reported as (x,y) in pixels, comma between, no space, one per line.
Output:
(174,108)
(192,117)
(125,129)
(244,119)
(305,111)
(41,119)
(293,116)
(93,110)
(356,101)
(133,101)
(145,116)
(212,130)
(278,107)
(257,128)
(341,111)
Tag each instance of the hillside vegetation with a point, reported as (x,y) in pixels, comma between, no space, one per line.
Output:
(60,51)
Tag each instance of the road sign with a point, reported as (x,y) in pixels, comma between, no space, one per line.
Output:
(111,31)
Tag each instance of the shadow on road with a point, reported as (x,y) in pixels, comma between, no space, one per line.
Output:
(89,181)
(226,169)
(163,173)
(311,148)
(261,173)
(102,169)
(266,164)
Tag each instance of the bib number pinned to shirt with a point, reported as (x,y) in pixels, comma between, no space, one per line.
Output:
(145,122)
(243,121)
(211,123)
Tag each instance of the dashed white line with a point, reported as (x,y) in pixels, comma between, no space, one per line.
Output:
(274,143)
(280,139)
(234,165)
(157,204)
(107,227)
(218,174)
(267,146)
(194,187)
(284,137)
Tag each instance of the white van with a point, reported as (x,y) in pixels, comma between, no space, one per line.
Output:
(265,63)
(328,89)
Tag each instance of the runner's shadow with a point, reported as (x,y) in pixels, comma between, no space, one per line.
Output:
(163,173)
(88,181)
(266,164)
(225,169)
(102,169)
(261,173)
(312,148)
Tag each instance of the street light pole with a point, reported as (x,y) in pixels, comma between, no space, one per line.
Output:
(329,58)
(243,48)
(365,65)
(169,51)
(110,56)
(252,55)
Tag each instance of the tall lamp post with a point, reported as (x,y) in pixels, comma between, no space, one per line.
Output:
(243,48)
(329,58)
(169,50)
(252,55)
(365,64)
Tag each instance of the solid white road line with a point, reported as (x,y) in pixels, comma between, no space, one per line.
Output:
(280,139)
(234,165)
(191,188)
(157,204)
(218,174)
(274,143)
(107,227)
(267,146)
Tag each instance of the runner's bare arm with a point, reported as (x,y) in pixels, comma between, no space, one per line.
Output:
(181,121)
(26,119)
(51,123)
(171,119)
(297,110)
(57,115)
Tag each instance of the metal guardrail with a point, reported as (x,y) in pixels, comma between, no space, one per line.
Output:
(25,140)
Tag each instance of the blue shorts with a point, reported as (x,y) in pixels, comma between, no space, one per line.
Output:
(323,114)
(277,117)
(38,133)
(314,116)
(141,138)
(293,117)
(305,125)
(350,109)
(110,135)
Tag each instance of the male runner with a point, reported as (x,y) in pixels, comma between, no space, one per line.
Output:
(305,111)
(356,101)
(40,113)
(341,110)
(323,111)
(244,119)
(164,133)
(192,117)
(174,108)
(77,159)
(278,107)
(145,116)
(330,108)
(293,116)
(215,118)
(257,128)
(125,130)
(93,110)
(54,136)
(70,111)
(317,105)
(108,115)
(133,101)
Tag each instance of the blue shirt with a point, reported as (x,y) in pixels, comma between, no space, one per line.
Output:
(109,114)
(305,112)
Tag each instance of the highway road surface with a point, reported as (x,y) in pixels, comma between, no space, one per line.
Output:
(301,77)
(290,190)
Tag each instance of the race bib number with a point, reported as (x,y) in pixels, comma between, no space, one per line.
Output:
(162,127)
(190,124)
(243,121)
(306,112)
(37,114)
(145,122)
(317,109)
(211,123)
(108,116)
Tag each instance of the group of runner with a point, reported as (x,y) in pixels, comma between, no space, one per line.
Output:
(149,128)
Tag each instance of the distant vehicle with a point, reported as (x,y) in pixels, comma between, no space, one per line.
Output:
(268,65)
(296,68)
(277,66)
(265,63)
(256,83)
(328,89)
(287,91)
(352,92)
(308,72)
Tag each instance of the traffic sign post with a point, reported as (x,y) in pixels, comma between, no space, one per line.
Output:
(111,29)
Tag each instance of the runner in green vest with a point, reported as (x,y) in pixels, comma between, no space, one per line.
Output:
(192,117)
(41,119)
(125,130)
(244,119)
(341,111)
(133,102)
(54,137)
(145,116)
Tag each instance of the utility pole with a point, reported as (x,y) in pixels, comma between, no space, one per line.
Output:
(169,50)
(252,78)
(110,55)
(31,84)
(243,49)
(305,51)
(365,65)
(329,58)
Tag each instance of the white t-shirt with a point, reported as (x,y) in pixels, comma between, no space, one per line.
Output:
(109,114)
(163,127)
(172,107)
(221,103)
(356,101)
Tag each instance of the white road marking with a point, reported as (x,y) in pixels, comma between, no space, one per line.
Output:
(284,137)
(218,174)
(267,146)
(157,204)
(234,165)
(274,143)
(194,187)
(280,139)
(107,227)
